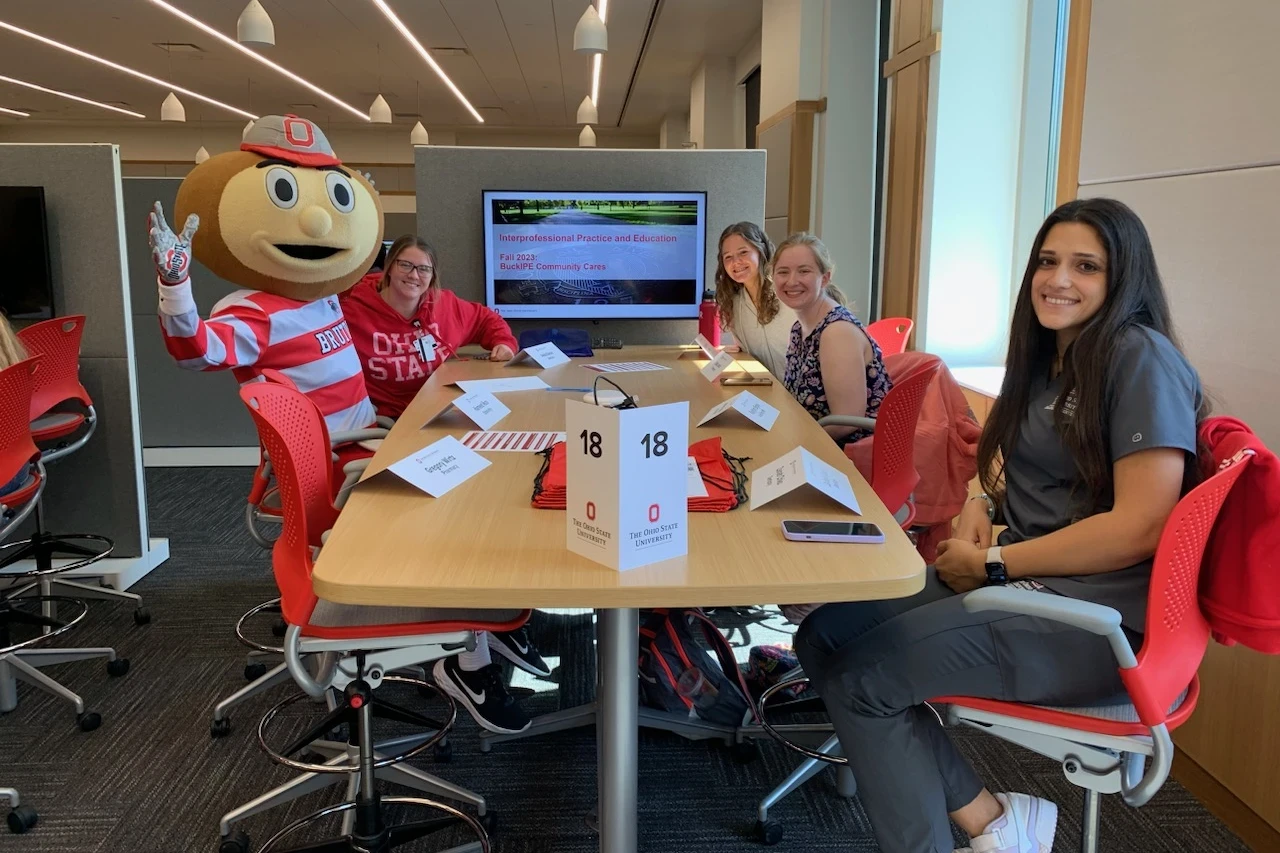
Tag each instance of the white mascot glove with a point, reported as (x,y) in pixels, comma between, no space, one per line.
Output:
(171,252)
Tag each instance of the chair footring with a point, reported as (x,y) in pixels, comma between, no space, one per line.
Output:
(370,833)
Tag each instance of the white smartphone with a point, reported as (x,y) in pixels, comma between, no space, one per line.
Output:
(832,531)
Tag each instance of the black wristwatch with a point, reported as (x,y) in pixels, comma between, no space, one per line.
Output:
(997,575)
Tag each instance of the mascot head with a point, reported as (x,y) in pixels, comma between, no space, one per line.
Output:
(281,215)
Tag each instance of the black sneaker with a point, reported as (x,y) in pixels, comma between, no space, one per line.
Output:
(483,694)
(516,647)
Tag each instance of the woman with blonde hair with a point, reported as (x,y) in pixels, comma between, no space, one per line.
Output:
(11,352)
(748,306)
(828,344)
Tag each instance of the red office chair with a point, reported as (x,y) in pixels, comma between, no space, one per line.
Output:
(892,334)
(57,386)
(19,455)
(893,470)
(1104,749)
(357,649)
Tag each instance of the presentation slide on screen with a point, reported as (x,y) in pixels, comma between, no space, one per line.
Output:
(600,255)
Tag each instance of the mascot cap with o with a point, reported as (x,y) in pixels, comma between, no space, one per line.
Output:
(291,139)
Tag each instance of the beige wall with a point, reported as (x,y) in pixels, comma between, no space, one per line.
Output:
(1182,122)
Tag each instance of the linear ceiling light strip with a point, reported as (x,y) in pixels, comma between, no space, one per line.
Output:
(422,51)
(69,96)
(279,69)
(18,113)
(124,69)
(602,8)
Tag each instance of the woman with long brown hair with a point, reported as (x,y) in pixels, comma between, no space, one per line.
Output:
(1085,454)
(749,308)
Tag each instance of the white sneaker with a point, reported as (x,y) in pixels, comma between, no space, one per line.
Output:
(1027,826)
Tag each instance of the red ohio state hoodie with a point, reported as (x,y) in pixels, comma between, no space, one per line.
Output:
(397,355)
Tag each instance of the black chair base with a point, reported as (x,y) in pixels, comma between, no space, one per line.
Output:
(43,548)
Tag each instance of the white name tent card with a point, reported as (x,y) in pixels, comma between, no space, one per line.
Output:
(708,349)
(717,365)
(798,468)
(752,407)
(544,355)
(697,487)
(440,466)
(480,406)
(627,483)
(497,386)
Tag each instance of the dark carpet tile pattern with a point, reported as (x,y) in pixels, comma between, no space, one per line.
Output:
(151,780)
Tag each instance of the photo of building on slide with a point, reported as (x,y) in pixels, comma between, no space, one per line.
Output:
(546,211)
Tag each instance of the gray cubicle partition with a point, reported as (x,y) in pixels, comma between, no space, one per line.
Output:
(100,488)
(450,181)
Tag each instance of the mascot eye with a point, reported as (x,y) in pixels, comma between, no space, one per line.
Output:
(282,187)
(340,192)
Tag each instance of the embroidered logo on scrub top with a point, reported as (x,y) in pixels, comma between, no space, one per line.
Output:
(1068,406)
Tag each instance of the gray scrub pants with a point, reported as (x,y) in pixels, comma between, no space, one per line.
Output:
(876,662)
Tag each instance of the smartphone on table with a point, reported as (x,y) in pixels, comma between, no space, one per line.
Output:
(745,380)
(832,531)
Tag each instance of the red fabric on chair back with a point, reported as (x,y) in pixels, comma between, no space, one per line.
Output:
(16,447)
(58,378)
(891,334)
(1177,632)
(293,432)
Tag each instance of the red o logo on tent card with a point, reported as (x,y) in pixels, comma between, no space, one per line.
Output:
(591,511)
(299,132)
(654,513)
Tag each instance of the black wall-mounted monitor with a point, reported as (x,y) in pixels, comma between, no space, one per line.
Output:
(26,283)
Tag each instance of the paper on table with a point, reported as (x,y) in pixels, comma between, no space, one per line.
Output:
(497,386)
(625,366)
(545,355)
(752,407)
(717,366)
(440,466)
(708,349)
(480,406)
(697,488)
(512,441)
(797,468)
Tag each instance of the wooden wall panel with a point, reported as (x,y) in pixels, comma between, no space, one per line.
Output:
(905,170)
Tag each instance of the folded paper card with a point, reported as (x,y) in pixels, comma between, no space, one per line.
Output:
(480,406)
(717,365)
(440,466)
(544,355)
(752,407)
(497,386)
(799,468)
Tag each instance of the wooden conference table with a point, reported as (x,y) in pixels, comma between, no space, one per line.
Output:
(484,545)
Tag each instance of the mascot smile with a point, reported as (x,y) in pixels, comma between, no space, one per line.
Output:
(284,220)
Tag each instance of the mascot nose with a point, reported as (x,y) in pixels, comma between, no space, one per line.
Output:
(315,222)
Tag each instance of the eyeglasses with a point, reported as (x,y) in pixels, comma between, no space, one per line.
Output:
(406,268)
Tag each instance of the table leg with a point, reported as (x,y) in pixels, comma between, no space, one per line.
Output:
(617,649)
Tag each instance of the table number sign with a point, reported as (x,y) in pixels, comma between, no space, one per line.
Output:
(627,483)
(799,468)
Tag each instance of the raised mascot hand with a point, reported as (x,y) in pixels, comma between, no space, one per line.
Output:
(171,252)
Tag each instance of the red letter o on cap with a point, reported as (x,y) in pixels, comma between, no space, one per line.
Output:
(591,511)
(299,132)
(654,512)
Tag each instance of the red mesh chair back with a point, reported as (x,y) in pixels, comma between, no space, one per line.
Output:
(892,334)
(293,432)
(58,379)
(893,467)
(1177,633)
(17,450)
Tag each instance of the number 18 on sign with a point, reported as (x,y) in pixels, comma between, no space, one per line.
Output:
(626,483)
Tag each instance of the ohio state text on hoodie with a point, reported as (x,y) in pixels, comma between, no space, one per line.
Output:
(398,355)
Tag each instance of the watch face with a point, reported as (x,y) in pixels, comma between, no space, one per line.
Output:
(996,573)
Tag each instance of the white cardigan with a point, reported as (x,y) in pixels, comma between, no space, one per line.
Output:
(766,343)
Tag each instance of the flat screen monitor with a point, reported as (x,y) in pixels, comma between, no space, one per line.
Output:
(26,285)
(608,255)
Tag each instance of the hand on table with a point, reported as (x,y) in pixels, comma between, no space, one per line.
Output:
(961,565)
(501,352)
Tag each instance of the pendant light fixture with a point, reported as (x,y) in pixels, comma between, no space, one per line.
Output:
(590,34)
(172,109)
(380,110)
(202,154)
(587,112)
(587,139)
(254,26)
(418,136)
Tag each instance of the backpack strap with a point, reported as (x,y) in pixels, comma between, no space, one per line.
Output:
(724,652)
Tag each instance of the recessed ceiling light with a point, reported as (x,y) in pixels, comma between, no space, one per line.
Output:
(122,68)
(279,69)
(178,47)
(422,51)
(18,113)
(450,51)
(70,96)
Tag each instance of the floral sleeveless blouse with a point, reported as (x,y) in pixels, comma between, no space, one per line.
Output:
(803,377)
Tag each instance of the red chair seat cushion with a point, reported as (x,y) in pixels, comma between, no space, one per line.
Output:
(55,425)
(24,493)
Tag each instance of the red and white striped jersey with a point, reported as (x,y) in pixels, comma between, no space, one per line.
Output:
(250,331)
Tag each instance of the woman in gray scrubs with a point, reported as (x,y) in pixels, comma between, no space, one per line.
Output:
(1096,426)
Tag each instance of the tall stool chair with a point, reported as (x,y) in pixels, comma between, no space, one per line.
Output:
(56,385)
(353,650)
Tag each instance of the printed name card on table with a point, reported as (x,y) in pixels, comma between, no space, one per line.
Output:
(799,468)
(545,355)
(440,466)
(497,386)
(752,407)
(717,365)
(480,406)
(697,487)
(627,483)
(708,349)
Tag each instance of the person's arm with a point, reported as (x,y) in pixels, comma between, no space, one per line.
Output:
(842,360)
(486,328)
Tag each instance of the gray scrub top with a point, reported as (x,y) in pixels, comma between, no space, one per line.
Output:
(1153,397)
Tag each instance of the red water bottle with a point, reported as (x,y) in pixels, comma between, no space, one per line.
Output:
(709,318)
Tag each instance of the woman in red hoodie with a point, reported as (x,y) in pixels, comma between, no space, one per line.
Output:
(404,325)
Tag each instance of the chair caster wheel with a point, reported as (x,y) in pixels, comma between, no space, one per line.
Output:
(142,616)
(220,728)
(278,629)
(442,752)
(88,721)
(768,832)
(254,671)
(745,752)
(236,842)
(117,667)
(490,822)
(21,819)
